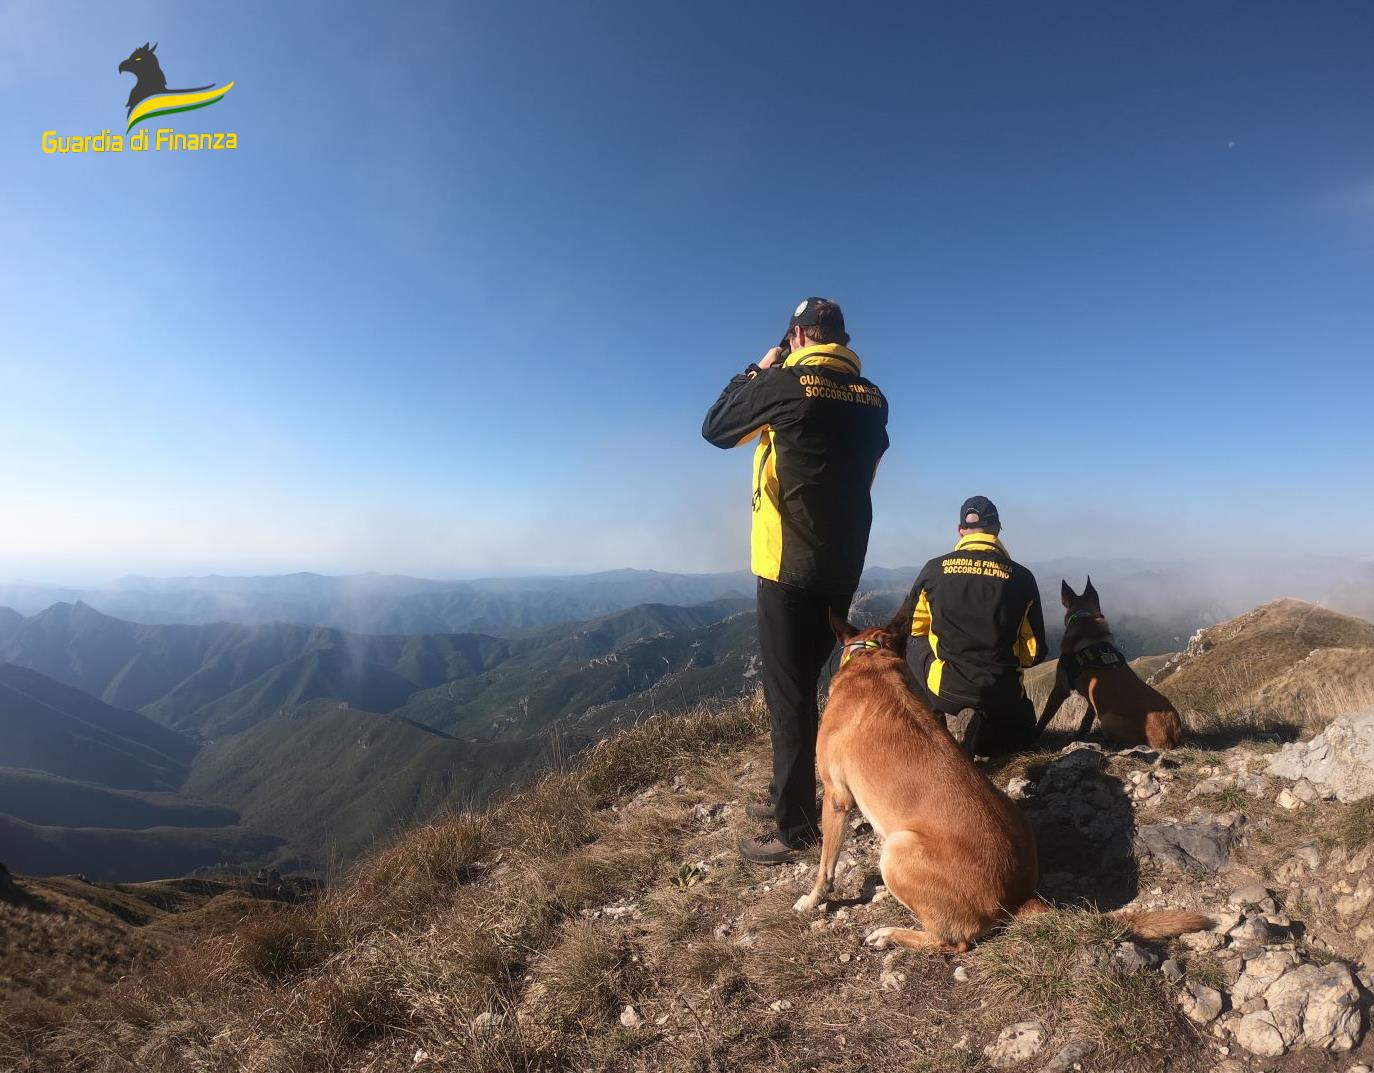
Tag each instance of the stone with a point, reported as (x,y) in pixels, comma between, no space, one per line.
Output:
(782,1005)
(1305,792)
(1136,958)
(1252,931)
(630,1018)
(1072,1053)
(1018,787)
(1200,1003)
(1337,762)
(1258,1034)
(1287,800)
(1317,1006)
(1065,772)
(891,981)
(1248,894)
(1254,785)
(484,1022)
(1213,785)
(1143,753)
(1261,972)
(1202,843)
(1309,853)
(960,974)
(1203,942)
(1349,905)
(1015,1044)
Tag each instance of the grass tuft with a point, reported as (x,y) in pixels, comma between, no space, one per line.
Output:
(1060,966)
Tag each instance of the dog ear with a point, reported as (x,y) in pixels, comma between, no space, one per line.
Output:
(1066,594)
(843,630)
(900,626)
(1090,593)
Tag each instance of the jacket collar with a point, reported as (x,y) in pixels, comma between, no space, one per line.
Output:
(833,355)
(980,542)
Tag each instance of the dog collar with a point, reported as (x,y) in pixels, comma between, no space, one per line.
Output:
(870,643)
(1078,614)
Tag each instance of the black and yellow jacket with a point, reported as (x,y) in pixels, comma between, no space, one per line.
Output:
(821,429)
(981,614)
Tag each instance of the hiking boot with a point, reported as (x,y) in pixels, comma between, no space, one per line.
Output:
(965,727)
(769,848)
(761,809)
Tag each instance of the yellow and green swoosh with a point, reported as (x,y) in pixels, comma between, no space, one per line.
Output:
(167,103)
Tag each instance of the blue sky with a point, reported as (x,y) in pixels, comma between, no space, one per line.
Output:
(458,302)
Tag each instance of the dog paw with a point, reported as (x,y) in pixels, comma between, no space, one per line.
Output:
(879,938)
(807,902)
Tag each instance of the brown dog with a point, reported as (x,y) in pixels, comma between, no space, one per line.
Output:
(957,851)
(1130,711)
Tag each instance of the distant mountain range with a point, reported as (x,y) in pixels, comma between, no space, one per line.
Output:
(1221,586)
(303,745)
(132,750)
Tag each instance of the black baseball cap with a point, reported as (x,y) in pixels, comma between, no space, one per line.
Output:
(822,311)
(979,512)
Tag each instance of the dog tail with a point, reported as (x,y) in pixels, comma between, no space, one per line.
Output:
(1161,923)
(1031,906)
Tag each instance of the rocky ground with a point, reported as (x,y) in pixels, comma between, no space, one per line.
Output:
(1282,982)
(604,921)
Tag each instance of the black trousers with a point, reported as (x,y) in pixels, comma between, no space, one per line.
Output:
(795,640)
(1008,723)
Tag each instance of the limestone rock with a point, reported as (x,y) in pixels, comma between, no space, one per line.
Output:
(630,1018)
(1287,800)
(1080,762)
(1016,1043)
(1261,973)
(1136,958)
(1317,1006)
(1339,761)
(1202,843)
(1258,1034)
(1073,1052)
(1200,1003)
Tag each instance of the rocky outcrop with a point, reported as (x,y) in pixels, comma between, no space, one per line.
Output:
(1203,842)
(1339,761)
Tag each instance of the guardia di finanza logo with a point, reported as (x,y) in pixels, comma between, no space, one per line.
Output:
(150,98)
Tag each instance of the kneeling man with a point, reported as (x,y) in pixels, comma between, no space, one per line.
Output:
(981,617)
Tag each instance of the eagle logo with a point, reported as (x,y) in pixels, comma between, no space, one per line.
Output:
(150,96)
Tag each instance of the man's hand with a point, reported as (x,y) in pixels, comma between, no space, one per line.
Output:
(772,358)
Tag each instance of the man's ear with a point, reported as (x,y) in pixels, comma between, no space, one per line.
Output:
(900,626)
(1066,594)
(843,630)
(1090,593)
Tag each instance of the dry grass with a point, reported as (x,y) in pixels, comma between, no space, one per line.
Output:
(1060,967)
(468,916)
(1287,665)
(1351,826)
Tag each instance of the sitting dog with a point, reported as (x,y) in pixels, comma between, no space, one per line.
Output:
(956,851)
(1129,710)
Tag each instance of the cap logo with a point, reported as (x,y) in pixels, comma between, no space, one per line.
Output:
(801,308)
(971,517)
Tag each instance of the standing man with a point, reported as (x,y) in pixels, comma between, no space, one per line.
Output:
(821,429)
(980,613)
